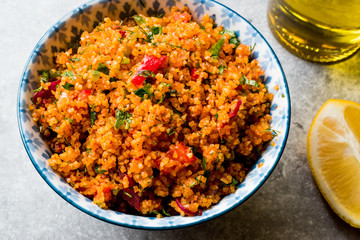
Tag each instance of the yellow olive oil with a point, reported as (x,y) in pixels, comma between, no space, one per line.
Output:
(317,30)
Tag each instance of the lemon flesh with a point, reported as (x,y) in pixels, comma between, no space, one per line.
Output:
(334,157)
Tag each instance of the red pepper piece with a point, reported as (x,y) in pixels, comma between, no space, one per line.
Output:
(84,94)
(184,17)
(123,33)
(148,63)
(236,109)
(46,93)
(194,75)
(186,211)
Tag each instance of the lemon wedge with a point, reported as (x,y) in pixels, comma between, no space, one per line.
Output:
(333,148)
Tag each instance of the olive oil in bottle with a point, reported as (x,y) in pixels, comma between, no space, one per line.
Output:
(317,30)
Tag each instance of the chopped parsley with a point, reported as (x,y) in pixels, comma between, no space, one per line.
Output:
(221,69)
(103,68)
(96,73)
(252,47)
(128,194)
(70,120)
(112,79)
(74,59)
(215,49)
(38,89)
(145,73)
(141,92)
(234,39)
(282,95)
(68,74)
(122,116)
(125,60)
(165,213)
(44,76)
(92,114)
(203,163)
(98,170)
(216,115)
(139,19)
(275,133)
(166,84)
(171,132)
(68,86)
(244,80)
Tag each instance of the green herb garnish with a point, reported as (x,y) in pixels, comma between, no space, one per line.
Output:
(145,73)
(68,86)
(74,59)
(172,131)
(121,117)
(70,120)
(139,19)
(142,91)
(127,194)
(103,68)
(166,84)
(44,76)
(38,89)
(252,47)
(125,60)
(216,115)
(92,114)
(244,80)
(215,49)
(98,170)
(203,163)
(221,69)
(68,74)
(234,182)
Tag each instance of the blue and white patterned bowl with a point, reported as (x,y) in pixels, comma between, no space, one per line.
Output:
(86,17)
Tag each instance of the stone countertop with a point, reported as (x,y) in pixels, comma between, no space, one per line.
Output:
(288,206)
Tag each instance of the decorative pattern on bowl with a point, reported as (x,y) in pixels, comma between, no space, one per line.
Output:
(86,17)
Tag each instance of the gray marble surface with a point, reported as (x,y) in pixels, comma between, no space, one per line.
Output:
(288,206)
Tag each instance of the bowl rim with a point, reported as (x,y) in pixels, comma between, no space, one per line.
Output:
(129,225)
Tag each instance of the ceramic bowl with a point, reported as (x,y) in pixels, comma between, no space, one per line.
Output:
(86,17)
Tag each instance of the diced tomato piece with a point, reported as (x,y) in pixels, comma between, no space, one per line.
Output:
(46,93)
(107,193)
(178,157)
(84,94)
(184,17)
(123,33)
(184,153)
(148,63)
(194,75)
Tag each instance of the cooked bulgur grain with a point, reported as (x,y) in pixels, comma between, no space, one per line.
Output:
(155,116)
